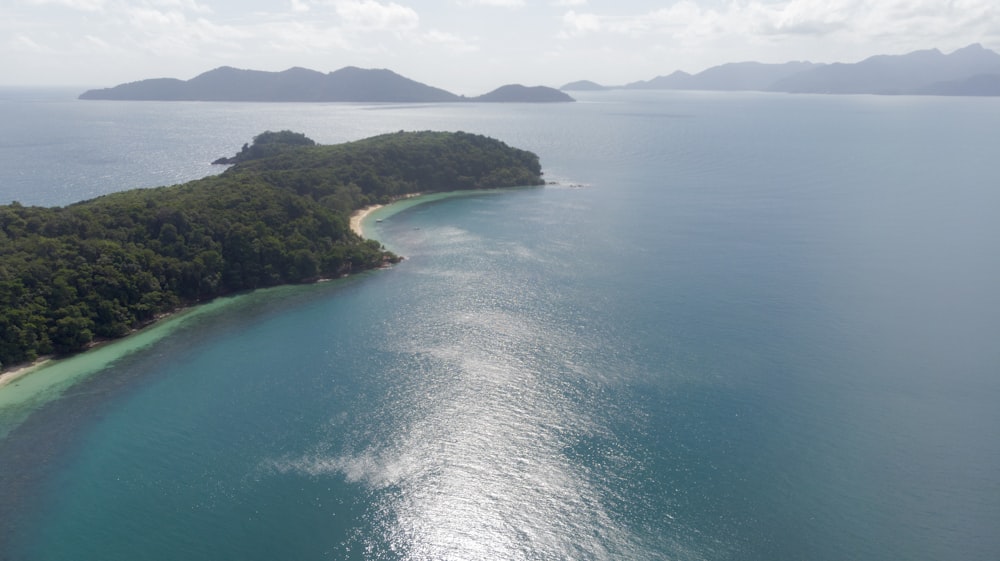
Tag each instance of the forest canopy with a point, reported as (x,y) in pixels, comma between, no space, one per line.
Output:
(100,268)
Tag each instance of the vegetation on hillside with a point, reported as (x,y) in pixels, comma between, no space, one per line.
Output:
(101,268)
(266,144)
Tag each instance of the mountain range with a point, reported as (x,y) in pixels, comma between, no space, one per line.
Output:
(972,70)
(301,84)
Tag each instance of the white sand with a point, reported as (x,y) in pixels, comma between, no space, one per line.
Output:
(359,215)
(16,373)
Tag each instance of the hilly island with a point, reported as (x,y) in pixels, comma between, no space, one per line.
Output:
(98,269)
(349,84)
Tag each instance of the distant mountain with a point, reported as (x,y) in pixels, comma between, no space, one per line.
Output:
(357,84)
(583,86)
(519,93)
(301,84)
(295,84)
(678,80)
(893,74)
(972,70)
(733,76)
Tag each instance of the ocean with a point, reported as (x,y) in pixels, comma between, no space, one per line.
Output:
(734,326)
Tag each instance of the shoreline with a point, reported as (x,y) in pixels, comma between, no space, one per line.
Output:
(359,215)
(9,375)
(18,372)
(21,371)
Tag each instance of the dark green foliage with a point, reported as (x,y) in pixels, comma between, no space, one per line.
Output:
(380,168)
(267,144)
(100,268)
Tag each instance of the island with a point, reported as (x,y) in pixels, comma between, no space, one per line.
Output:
(99,269)
(516,93)
(349,84)
(583,86)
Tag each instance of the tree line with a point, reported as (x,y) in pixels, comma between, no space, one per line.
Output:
(100,268)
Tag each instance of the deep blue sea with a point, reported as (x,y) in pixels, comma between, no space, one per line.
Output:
(737,326)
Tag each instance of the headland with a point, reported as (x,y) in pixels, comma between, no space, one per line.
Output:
(281,215)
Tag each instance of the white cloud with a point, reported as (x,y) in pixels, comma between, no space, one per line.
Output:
(82,5)
(368,15)
(186,5)
(452,42)
(907,24)
(681,18)
(575,24)
(171,33)
(23,43)
(495,3)
(151,20)
(96,44)
(299,37)
(620,41)
(805,17)
(853,19)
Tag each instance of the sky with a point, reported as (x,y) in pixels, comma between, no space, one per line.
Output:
(465,46)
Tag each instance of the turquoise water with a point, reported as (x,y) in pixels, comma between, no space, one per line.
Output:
(740,327)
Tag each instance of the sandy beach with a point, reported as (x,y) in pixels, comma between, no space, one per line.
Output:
(359,215)
(16,373)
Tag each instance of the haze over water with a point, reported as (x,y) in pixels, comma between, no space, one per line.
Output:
(742,326)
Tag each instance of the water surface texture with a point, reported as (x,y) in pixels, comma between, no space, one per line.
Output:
(740,327)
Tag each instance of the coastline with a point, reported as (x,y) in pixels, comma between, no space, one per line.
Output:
(18,372)
(359,215)
(20,392)
(26,387)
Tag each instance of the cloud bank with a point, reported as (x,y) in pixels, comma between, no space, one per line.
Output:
(465,41)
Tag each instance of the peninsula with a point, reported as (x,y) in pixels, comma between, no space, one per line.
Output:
(349,84)
(98,269)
